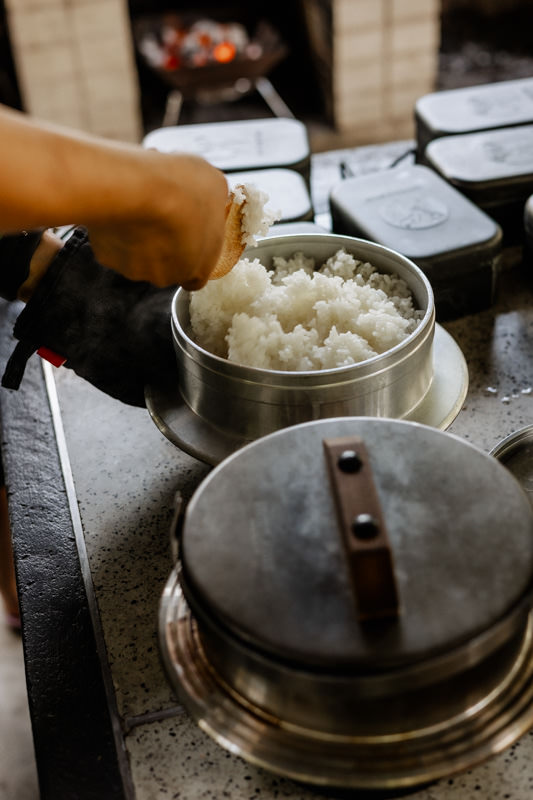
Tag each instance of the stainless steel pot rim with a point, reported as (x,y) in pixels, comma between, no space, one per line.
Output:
(187,431)
(510,443)
(307,755)
(351,243)
(285,380)
(345,374)
(210,360)
(385,682)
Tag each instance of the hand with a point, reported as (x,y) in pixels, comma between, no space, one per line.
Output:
(172,233)
(151,216)
(43,256)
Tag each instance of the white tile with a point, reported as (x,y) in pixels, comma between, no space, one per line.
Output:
(359,108)
(105,54)
(358,76)
(350,15)
(358,45)
(38,66)
(414,9)
(30,5)
(419,36)
(403,99)
(101,18)
(413,66)
(120,121)
(103,89)
(41,26)
(63,110)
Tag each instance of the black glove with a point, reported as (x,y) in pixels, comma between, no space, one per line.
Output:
(16,251)
(112,331)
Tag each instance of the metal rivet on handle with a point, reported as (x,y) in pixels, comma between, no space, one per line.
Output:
(349,461)
(365,526)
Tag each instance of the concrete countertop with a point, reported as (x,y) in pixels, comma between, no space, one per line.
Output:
(121,475)
(125,474)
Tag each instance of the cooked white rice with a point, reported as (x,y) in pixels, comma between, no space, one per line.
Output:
(293,317)
(256,216)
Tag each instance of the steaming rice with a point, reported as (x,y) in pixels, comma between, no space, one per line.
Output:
(294,317)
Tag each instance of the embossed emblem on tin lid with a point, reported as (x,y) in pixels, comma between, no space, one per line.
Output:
(514,147)
(413,211)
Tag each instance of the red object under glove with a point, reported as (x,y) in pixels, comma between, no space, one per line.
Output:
(49,355)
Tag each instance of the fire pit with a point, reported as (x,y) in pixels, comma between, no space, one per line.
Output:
(195,54)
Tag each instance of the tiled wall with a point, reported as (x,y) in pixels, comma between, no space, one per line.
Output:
(385,55)
(75,64)
(484,6)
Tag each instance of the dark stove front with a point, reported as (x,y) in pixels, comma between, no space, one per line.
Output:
(287,86)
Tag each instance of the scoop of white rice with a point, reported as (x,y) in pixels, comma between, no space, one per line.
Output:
(257,217)
(294,317)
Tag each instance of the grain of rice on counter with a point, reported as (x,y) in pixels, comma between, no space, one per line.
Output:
(293,317)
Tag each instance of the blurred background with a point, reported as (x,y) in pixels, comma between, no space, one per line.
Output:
(350,69)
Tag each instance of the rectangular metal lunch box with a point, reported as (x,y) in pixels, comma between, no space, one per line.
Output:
(286,189)
(414,211)
(494,169)
(239,145)
(473,108)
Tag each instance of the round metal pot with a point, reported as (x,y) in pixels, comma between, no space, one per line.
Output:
(248,402)
(352,604)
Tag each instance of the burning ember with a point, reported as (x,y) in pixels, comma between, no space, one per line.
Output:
(205,42)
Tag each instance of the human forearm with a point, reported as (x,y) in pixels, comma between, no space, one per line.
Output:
(150,215)
(51,176)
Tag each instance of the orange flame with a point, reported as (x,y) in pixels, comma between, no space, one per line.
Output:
(224,52)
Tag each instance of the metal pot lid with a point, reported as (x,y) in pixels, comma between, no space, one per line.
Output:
(515,452)
(441,551)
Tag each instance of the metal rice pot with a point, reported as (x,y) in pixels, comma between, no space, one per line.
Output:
(351,602)
(248,402)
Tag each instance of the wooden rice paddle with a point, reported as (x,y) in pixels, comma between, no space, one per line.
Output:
(233,246)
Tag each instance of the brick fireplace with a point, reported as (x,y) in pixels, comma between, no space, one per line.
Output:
(378,58)
(75,64)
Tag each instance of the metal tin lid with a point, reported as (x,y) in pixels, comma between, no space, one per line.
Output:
(286,189)
(515,452)
(528,227)
(413,210)
(285,228)
(239,145)
(264,557)
(490,167)
(477,108)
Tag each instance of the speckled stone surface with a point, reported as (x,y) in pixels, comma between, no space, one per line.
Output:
(172,760)
(498,347)
(125,475)
(201,770)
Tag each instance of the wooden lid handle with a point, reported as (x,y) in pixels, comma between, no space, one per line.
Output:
(362,526)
